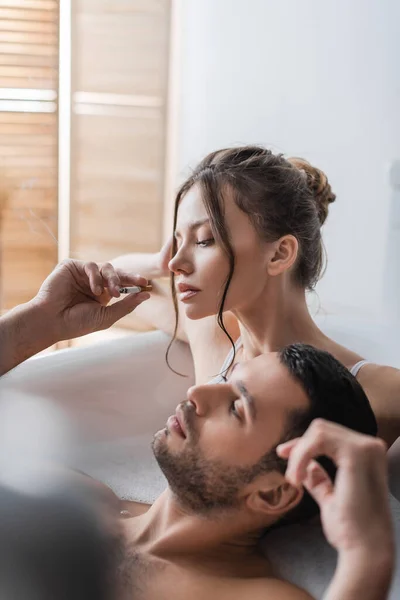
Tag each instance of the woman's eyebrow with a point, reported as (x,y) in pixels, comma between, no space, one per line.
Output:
(194,224)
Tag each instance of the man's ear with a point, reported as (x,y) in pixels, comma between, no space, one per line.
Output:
(273,496)
(284,256)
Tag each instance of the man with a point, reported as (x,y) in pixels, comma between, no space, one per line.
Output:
(223,457)
(51,544)
(71,302)
(225,466)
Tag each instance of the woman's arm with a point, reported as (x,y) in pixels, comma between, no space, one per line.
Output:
(158,312)
(208,343)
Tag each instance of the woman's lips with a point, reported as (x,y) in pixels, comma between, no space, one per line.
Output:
(174,425)
(183,296)
(186,291)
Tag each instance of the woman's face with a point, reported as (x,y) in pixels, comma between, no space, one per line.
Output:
(201,266)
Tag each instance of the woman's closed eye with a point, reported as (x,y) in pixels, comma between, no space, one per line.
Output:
(205,243)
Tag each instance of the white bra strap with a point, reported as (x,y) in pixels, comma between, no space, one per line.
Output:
(228,359)
(355,369)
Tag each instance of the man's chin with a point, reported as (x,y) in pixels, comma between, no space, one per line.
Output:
(160,433)
(159,443)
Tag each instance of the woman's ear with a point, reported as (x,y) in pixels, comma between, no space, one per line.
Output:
(274,500)
(284,256)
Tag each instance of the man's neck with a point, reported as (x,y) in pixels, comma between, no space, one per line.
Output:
(168,530)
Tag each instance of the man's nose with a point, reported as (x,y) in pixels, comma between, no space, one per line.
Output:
(206,398)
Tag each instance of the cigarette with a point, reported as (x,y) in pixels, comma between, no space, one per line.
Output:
(135,289)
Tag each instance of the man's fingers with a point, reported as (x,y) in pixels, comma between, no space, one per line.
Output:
(106,276)
(284,450)
(115,278)
(95,279)
(317,482)
(321,438)
(325,438)
(120,309)
(111,279)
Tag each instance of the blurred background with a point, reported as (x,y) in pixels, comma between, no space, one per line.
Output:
(106,104)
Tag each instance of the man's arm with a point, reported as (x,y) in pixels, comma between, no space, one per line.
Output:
(363,575)
(22,334)
(355,512)
(71,302)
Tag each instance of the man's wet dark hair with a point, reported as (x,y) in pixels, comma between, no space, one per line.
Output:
(335,395)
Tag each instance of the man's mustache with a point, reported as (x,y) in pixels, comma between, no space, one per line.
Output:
(188,413)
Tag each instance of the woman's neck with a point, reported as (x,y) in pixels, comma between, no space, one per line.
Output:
(278,317)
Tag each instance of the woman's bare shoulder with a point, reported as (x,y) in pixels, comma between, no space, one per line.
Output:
(347,357)
(382,385)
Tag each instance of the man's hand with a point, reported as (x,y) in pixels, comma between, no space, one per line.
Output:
(73,299)
(355,511)
(71,302)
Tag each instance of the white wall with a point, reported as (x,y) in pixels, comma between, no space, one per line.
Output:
(313,78)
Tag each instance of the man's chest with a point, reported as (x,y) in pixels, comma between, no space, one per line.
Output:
(151,579)
(147,578)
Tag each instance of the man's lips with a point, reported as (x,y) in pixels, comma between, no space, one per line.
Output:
(179,418)
(175,423)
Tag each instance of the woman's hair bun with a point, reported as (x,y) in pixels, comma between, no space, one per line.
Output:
(318,183)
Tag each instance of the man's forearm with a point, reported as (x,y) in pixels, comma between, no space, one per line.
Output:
(23,333)
(365,576)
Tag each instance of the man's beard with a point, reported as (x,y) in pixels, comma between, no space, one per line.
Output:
(199,484)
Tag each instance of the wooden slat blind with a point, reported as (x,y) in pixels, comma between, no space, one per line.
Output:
(28,144)
(120,64)
(120,74)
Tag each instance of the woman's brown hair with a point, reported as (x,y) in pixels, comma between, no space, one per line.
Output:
(280,196)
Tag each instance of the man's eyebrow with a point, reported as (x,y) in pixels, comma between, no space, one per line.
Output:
(249,399)
(195,224)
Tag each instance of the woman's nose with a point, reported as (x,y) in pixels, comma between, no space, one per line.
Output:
(180,263)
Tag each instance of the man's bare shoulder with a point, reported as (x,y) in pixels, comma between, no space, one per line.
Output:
(268,589)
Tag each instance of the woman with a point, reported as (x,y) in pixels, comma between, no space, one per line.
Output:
(247,246)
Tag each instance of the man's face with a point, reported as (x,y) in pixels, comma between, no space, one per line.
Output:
(210,449)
